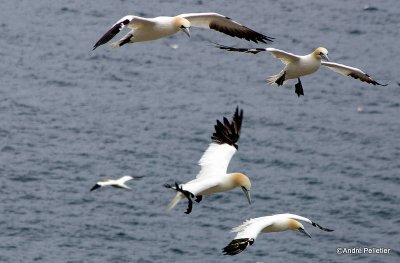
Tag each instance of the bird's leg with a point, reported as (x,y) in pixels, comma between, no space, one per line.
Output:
(281,79)
(187,194)
(298,88)
(123,41)
(198,198)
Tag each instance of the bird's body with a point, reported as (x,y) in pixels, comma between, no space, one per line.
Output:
(249,230)
(298,66)
(117,183)
(148,29)
(213,177)
(304,65)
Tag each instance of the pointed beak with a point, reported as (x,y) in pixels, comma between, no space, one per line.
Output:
(325,57)
(186,31)
(247,194)
(303,231)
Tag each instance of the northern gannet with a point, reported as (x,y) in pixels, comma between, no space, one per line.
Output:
(249,230)
(213,176)
(298,66)
(119,183)
(147,29)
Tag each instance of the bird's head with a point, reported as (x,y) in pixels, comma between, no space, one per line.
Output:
(321,53)
(183,24)
(297,226)
(244,182)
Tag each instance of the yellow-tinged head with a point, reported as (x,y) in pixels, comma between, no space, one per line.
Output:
(297,226)
(321,53)
(183,24)
(243,181)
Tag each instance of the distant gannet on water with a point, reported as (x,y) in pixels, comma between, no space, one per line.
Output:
(119,183)
(298,66)
(249,230)
(213,177)
(147,29)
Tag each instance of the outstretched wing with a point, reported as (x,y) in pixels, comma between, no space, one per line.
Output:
(283,56)
(96,186)
(129,21)
(247,234)
(225,25)
(238,49)
(125,179)
(304,219)
(216,158)
(350,71)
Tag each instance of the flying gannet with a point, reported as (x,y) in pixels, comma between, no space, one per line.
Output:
(119,183)
(298,66)
(147,29)
(249,230)
(213,177)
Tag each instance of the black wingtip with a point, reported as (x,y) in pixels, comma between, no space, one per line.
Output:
(96,186)
(322,228)
(237,245)
(228,132)
(244,50)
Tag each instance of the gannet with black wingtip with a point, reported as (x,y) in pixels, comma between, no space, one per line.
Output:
(147,29)
(213,176)
(119,183)
(249,230)
(298,66)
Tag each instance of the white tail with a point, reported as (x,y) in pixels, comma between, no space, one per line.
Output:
(175,200)
(115,44)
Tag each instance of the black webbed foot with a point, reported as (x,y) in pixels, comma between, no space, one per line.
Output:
(187,194)
(281,79)
(125,40)
(198,198)
(298,88)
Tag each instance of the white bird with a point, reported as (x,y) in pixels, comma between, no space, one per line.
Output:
(249,230)
(298,66)
(119,183)
(213,176)
(146,29)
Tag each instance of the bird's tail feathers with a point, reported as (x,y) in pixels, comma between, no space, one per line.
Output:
(115,44)
(178,197)
(273,79)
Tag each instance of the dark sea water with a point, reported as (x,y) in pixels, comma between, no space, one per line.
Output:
(70,116)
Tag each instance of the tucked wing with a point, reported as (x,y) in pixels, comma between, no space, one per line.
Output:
(216,158)
(350,71)
(246,234)
(225,25)
(132,22)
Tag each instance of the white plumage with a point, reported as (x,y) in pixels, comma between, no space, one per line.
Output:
(147,29)
(250,229)
(297,66)
(213,176)
(118,183)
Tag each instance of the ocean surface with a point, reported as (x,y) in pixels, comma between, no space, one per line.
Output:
(70,116)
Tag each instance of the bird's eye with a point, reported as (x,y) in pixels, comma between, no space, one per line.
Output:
(182,26)
(320,53)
